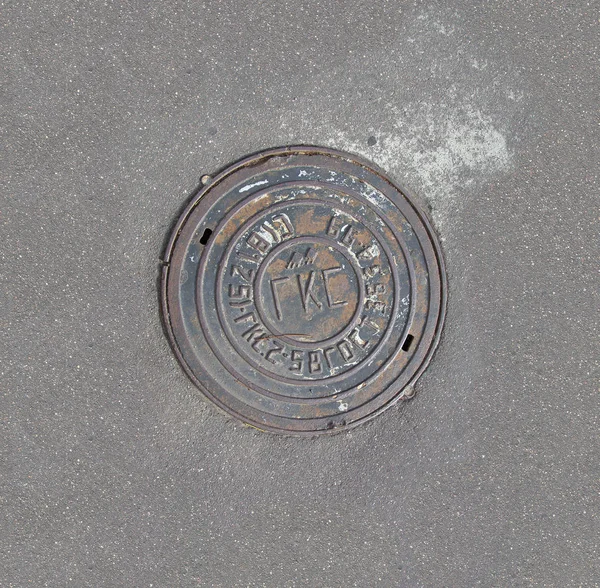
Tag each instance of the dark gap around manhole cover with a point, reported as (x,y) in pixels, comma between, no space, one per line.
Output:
(205,236)
(407,343)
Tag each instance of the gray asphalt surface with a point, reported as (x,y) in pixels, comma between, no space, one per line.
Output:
(115,472)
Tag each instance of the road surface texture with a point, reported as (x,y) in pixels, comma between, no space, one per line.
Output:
(116,472)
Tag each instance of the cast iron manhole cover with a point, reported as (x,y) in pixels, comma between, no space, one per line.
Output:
(302,291)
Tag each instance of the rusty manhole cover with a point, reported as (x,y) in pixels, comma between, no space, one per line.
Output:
(302,291)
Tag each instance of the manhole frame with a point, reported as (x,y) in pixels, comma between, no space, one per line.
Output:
(210,183)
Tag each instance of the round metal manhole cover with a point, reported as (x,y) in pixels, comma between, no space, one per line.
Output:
(303,291)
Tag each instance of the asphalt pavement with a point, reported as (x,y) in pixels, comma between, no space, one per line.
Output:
(116,472)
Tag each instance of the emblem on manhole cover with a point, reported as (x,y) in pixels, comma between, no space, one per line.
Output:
(302,291)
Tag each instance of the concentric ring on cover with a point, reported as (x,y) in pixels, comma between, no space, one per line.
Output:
(302,291)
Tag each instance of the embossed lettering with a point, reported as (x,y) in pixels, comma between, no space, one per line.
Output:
(278,349)
(355,337)
(371,271)
(240,303)
(314,362)
(326,353)
(330,301)
(348,239)
(254,257)
(306,293)
(258,242)
(342,233)
(284,226)
(297,361)
(245,317)
(369,252)
(244,273)
(267,226)
(333,228)
(345,350)
(255,332)
(298,260)
(274,283)
(240,295)
(376,305)
(373,289)
(367,322)
(238,292)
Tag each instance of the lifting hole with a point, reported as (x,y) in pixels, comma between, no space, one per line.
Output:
(205,236)
(407,342)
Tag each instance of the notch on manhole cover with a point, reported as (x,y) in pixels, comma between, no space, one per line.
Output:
(302,291)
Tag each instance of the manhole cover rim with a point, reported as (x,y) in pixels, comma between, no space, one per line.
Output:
(396,390)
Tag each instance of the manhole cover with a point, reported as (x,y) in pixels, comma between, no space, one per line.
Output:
(303,291)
